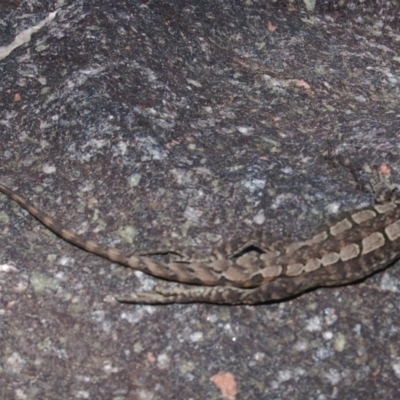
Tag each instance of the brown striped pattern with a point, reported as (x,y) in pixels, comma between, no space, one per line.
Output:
(353,247)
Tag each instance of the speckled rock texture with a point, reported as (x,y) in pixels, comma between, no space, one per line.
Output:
(184,124)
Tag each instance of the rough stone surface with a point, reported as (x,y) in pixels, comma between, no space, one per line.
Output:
(184,123)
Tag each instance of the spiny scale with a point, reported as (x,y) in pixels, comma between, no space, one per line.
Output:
(353,247)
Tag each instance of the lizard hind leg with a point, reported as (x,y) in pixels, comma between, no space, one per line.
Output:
(258,241)
(215,295)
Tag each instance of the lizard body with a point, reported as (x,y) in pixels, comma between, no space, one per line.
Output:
(353,246)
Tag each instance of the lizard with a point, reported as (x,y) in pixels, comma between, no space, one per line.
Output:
(349,248)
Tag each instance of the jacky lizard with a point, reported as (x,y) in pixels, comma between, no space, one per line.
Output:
(352,247)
